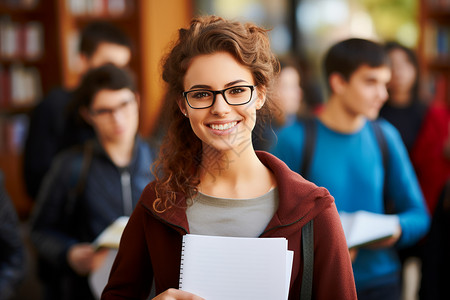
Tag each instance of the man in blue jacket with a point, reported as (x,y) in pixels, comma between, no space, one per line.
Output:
(348,161)
(89,187)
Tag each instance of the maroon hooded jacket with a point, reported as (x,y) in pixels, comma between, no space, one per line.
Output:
(151,243)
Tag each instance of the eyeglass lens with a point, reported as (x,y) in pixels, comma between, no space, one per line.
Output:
(204,98)
(123,107)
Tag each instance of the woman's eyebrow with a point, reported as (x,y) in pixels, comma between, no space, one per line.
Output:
(204,86)
(235,82)
(199,86)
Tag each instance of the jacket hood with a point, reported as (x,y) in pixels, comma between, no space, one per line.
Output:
(300,200)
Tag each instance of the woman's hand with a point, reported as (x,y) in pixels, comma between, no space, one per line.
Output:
(80,258)
(174,294)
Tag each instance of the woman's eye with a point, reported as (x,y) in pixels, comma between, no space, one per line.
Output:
(201,94)
(236,90)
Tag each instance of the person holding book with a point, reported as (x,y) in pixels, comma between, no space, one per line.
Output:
(348,159)
(88,187)
(52,124)
(209,179)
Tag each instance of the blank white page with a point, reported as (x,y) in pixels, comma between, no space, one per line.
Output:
(363,227)
(219,268)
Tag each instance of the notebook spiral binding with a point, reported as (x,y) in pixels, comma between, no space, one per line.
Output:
(180,282)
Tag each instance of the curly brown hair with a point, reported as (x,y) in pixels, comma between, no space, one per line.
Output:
(176,170)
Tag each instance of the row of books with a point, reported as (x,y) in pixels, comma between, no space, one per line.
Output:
(437,43)
(99,7)
(21,40)
(19,85)
(20,4)
(13,131)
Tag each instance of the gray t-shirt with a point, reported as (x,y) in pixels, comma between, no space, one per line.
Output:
(231,217)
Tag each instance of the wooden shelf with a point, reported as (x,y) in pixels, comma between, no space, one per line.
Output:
(21,60)
(442,66)
(15,110)
(439,15)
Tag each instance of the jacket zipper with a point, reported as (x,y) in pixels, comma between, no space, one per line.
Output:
(127,197)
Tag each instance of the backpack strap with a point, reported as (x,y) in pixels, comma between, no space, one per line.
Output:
(309,142)
(381,140)
(79,170)
(308,260)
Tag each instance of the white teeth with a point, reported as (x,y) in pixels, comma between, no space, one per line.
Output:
(223,126)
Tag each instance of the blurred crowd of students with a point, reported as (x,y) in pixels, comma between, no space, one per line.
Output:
(85,159)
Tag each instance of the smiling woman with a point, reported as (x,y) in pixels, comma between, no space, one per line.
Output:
(210,180)
(222,119)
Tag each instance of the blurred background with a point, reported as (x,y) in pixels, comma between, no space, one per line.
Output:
(39,38)
(39,51)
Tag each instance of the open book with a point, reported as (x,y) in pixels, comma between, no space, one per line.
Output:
(110,237)
(219,268)
(363,228)
(98,278)
(106,245)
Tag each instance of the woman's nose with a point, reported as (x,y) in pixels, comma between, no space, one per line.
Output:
(220,106)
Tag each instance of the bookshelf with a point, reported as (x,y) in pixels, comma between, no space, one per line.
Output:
(38,51)
(434,47)
(28,48)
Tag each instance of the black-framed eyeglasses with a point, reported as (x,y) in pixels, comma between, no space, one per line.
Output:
(235,95)
(125,106)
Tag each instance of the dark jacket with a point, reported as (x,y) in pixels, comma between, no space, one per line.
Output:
(12,250)
(61,219)
(408,120)
(52,128)
(436,260)
(151,244)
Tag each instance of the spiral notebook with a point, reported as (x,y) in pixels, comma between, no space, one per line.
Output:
(219,268)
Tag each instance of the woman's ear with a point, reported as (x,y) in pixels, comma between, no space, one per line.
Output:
(261,94)
(182,107)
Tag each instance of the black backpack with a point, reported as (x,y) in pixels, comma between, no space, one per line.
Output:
(310,126)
